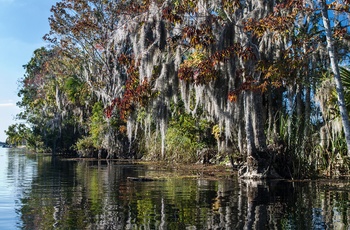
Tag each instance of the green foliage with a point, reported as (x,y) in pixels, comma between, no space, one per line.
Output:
(85,147)
(345,77)
(151,146)
(16,134)
(53,103)
(331,157)
(186,135)
(332,160)
(180,146)
(73,88)
(97,125)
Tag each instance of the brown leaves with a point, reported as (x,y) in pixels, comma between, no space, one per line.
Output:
(199,36)
(201,69)
(281,24)
(230,5)
(339,7)
(280,21)
(245,86)
(171,15)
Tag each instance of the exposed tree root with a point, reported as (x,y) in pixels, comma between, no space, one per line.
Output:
(258,168)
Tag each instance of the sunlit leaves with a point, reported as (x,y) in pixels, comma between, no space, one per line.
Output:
(16,134)
(337,6)
(281,24)
(198,69)
(230,5)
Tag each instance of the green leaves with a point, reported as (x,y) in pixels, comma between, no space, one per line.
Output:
(345,77)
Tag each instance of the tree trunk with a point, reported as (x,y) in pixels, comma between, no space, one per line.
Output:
(270,116)
(291,92)
(249,125)
(307,114)
(298,134)
(335,69)
(275,103)
(258,122)
(258,164)
(241,124)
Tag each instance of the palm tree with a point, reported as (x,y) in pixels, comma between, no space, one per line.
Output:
(345,78)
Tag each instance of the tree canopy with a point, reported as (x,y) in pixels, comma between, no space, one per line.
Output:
(241,81)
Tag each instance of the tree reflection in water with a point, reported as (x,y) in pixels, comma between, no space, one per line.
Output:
(97,195)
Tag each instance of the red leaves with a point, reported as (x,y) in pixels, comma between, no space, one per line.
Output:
(136,92)
(340,33)
(134,95)
(202,35)
(339,7)
(232,96)
(200,69)
(246,53)
(245,86)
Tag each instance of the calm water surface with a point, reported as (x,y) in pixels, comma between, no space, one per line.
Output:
(38,192)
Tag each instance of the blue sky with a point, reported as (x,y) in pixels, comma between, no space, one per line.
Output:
(23,23)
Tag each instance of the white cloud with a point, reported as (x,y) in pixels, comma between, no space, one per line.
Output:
(7,104)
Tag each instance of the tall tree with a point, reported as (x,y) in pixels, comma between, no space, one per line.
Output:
(335,69)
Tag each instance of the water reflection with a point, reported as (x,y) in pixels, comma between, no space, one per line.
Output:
(16,173)
(64,194)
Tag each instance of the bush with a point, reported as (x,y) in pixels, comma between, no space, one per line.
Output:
(85,147)
(180,147)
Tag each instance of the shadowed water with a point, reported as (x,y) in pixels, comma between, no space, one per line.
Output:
(38,192)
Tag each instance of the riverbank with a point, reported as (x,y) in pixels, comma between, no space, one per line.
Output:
(165,170)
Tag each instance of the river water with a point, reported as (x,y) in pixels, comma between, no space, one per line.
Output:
(38,192)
